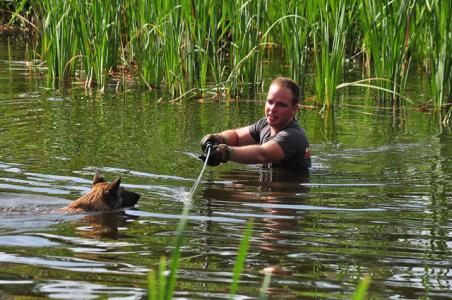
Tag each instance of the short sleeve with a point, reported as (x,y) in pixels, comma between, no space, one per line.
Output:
(256,128)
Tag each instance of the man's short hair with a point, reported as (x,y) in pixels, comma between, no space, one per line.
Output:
(288,83)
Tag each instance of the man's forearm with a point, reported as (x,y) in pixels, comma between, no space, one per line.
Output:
(251,154)
(231,137)
(257,154)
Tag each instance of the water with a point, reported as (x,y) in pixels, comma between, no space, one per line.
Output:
(375,203)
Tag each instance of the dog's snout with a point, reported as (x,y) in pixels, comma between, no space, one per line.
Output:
(130,198)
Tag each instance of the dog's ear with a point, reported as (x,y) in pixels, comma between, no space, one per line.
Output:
(98,177)
(114,186)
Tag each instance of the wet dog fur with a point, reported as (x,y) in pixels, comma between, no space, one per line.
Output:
(103,196)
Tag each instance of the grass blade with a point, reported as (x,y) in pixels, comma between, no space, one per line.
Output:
(240,260)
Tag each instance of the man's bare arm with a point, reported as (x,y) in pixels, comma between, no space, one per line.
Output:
(238,137)
(269,152)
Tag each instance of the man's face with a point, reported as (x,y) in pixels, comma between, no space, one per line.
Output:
(279,108)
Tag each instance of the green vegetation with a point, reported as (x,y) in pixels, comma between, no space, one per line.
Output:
(204,48)
(387,38)
(162,287)
(362,288)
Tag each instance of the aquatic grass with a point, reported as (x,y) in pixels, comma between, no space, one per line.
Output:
(362,288)
(162,287)
(294,29)
(265,286)
(241,256)
(57,45)
(439,19)
(192,47)
(446,121)
(387,39)
(246,24)
(329,34)
(367,83)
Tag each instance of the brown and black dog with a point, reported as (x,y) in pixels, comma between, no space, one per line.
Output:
(103,196)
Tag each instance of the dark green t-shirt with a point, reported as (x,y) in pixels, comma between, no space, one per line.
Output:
(292,140)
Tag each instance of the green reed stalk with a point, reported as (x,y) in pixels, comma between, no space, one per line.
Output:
(439,16)
(240,260)
(57,45)
(362,288)
(193,46)
(247,22)
(264,287)
(162,288)
(293,32)
(146,40)
(387,39)
(329,47)
(175,256)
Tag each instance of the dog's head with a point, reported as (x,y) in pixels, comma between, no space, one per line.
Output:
(104,196)
(112,194)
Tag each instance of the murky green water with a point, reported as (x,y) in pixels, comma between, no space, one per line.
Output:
(376,202)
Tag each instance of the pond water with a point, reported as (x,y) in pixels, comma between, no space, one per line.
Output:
(376,201)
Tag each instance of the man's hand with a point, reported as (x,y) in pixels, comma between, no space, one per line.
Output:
(219,154)
(213,139)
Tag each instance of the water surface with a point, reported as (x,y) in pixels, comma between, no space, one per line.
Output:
(376,201)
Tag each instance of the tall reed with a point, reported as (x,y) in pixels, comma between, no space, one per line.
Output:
(292,29)
(439,40)
(246,26)
(387,38)
(161,287)
(188,47)
(329,33)
(58,46)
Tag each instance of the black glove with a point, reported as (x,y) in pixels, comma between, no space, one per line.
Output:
(213,139)
(218,154)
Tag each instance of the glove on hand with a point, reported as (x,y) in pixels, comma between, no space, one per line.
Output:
(213,139)
(219,154)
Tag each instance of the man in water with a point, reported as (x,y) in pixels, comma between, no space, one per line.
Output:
(275,140)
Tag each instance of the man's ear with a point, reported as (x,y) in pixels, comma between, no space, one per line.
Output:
(114,186)
(98,177)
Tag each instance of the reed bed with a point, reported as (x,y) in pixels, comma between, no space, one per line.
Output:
(387,39)
(220,48)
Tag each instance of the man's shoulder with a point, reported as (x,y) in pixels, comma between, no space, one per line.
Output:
(259,125)
(293,129)
(294,135)
(261,122)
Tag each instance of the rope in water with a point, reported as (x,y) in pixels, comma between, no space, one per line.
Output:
(195,185)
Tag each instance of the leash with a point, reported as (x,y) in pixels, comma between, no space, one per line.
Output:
(209,147)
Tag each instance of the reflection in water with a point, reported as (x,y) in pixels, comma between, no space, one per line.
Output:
(102,225)
(273,226)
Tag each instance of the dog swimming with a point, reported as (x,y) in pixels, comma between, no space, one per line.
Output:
(103,196)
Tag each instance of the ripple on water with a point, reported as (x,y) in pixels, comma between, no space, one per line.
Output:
(26,241)
(67,289)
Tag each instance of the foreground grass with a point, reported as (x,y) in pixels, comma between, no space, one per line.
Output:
(162,282)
